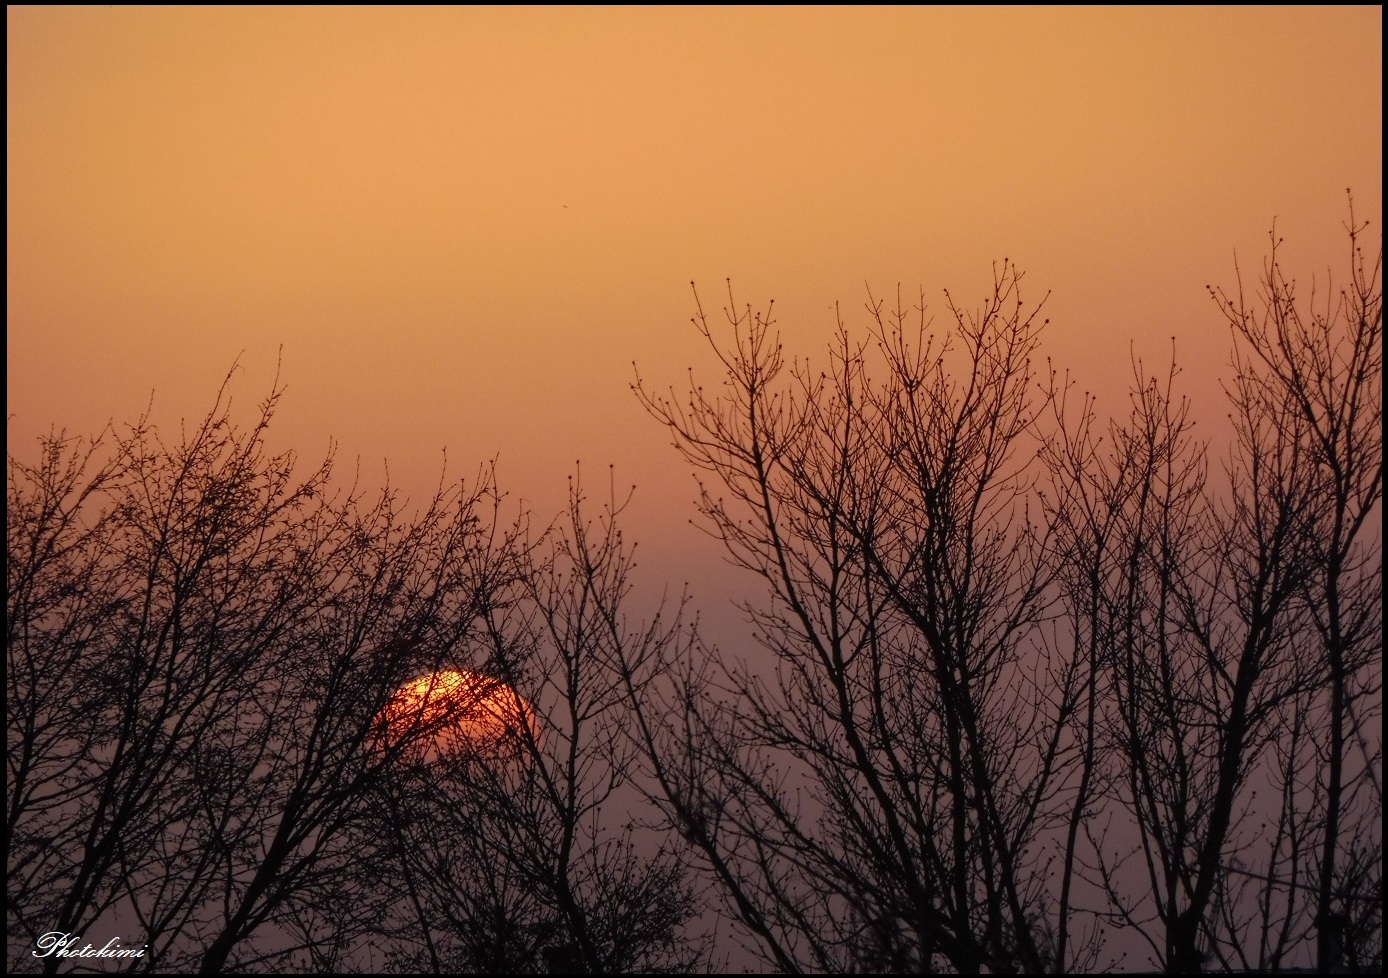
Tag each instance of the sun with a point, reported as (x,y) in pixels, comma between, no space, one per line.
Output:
(454,711)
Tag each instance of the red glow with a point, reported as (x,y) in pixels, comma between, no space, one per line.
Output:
(454,710)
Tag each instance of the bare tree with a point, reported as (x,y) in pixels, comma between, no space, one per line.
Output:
(1211,598)
(1316,367)
(55,610)
(876,796)
(197,648)
(977,661)
(1197,606)
(535,857)
(1019,674)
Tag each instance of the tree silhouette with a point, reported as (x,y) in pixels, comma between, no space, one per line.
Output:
(199,648)
(535,861)
(1240,620)
(1017,655)
(1316,369)
(1022,676)
(879,797)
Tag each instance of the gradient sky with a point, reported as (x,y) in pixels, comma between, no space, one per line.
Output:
(463,225)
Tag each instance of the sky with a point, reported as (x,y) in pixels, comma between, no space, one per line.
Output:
(456,230)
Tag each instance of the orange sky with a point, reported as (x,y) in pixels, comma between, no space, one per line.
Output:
(463,225)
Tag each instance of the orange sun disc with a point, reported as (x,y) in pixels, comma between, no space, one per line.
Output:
(451,711)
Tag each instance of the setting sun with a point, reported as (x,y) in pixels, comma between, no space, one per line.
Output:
(452,710)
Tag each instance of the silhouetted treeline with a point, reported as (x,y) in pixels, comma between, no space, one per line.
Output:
(1034,689)
(199,648)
